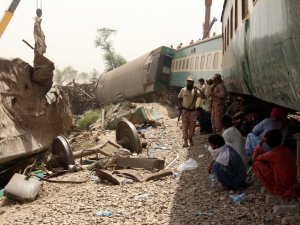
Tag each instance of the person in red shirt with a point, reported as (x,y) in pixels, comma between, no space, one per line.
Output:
(276,169)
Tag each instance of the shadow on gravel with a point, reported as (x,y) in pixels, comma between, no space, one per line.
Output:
(197,202)
(193,192)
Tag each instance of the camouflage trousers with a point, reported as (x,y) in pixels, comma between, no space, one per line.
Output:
(217,112)
(188,123)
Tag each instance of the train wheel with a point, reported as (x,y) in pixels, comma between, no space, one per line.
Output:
(127,136)
(63,151)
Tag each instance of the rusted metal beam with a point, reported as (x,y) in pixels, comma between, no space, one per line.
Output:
(109,177)
(159,174)
(140,178)
(107,149)
(130,173)
(146,163)
(29,45)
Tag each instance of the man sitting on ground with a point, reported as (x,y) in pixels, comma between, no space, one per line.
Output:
(276,121)
(227,164)
(251,118)
(204,119)
(275,169)
(234,138)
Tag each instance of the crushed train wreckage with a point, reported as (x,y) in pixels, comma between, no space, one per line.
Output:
(32,111)
(34,115)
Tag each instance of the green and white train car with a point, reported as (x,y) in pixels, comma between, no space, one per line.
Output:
(200,60)
(261,51)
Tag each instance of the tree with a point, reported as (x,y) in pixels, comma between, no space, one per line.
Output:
(94,76)
(68,73)
(111,58)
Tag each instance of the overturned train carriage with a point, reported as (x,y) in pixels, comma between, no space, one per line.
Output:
(146,74)
(261,45)
(30,115)
(32,111)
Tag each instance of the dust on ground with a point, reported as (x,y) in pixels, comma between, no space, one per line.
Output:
(187,199)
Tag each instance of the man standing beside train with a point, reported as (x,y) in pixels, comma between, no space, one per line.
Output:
(187,99)
(218,102)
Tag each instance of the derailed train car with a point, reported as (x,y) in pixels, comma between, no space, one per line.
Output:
(161,69)
(144,75)
(261,42)
(200,60)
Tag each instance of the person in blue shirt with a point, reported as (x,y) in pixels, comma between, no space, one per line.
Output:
(227,164)
(276,121)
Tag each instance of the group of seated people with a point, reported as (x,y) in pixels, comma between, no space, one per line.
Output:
(261,147)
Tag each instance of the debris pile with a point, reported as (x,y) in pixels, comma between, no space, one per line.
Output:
(32,112)
(187,197)
(81,97)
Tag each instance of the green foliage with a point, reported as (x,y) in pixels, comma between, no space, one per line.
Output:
(111,58)
(89,118)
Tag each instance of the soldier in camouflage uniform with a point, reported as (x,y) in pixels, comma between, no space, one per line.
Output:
(218,102)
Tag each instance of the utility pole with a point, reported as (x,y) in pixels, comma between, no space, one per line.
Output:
(208,4)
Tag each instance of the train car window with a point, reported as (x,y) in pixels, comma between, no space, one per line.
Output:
(236,19)
(244,8)
(197,63)
(231,22)
(224,39)
(192,63)
(202,62)
(179,65)
(216,60)
(183,64)
(227,32)
(187,63)
(208,62)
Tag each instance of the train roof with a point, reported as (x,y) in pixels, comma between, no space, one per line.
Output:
(202,41)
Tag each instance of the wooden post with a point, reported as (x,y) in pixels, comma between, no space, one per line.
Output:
(297,137)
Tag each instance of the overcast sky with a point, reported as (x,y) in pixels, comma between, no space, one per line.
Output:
(70,28)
